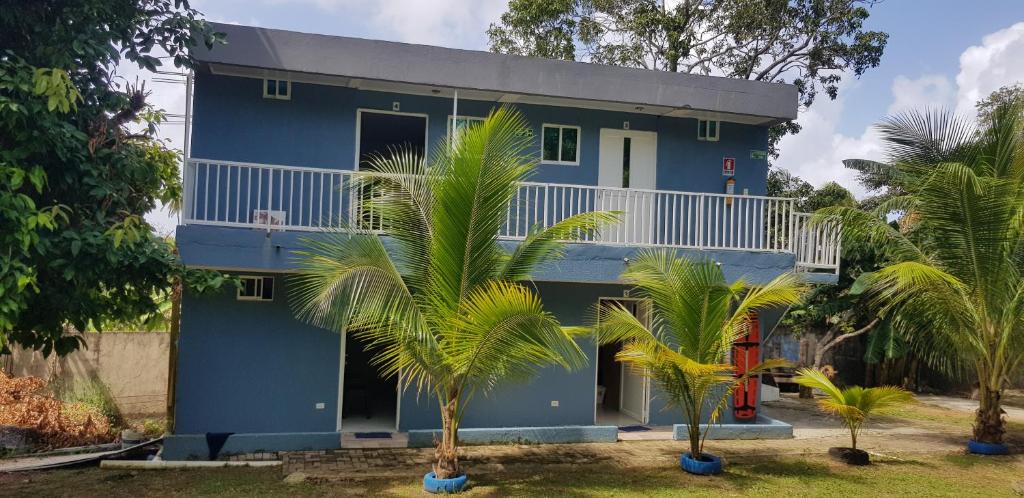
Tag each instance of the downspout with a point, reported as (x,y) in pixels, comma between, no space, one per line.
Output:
(455,119)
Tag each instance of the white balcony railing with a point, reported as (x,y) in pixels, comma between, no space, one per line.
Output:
(295,198)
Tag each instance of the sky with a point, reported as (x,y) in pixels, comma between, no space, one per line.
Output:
(941,53)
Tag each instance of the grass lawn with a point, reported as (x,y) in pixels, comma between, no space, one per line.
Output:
(958,475)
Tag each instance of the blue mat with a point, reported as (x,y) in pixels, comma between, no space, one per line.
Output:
(373,435)
(634,428)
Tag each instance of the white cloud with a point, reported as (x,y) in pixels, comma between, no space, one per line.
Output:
(986,67)
(817,152)
(448,23)
(932,90)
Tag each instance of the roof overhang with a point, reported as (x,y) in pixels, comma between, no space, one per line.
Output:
(425,70)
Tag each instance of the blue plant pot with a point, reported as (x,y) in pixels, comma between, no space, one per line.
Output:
(708,464)
(432,484)
(979,448)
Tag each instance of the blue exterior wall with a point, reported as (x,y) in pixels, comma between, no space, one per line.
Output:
(250,367)
(530,404)
(317,128)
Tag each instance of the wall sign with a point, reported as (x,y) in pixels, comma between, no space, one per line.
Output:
(728,166)
(759,154)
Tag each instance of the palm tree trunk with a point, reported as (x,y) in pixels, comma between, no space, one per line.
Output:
(446,453)
(988,422)
(695,441)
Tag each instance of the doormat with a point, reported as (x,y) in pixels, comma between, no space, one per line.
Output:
(634,428)
(373,435)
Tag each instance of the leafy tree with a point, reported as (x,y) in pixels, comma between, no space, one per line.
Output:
(1004,95)
(853,404)
(835,313)
(809,43)
(75,180)
(953,285)
(443,304)
(696,318)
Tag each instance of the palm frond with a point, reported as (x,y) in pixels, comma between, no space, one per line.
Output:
(544,244)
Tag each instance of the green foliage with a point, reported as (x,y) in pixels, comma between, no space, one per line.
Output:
(444,306)
(1008,94)
(952,286)
(75,182)
(829,311)
(809,43)
(696,316)
(854,404)
(93,393)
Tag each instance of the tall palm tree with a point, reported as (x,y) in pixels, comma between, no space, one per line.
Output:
(439,303)
(696,316)
(853,404)
(953,285)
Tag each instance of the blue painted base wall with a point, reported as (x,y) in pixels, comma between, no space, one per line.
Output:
(250,367)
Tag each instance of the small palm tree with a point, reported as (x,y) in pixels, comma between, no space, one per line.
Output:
(954,287)
(696,316)
(441,304)
(853,404)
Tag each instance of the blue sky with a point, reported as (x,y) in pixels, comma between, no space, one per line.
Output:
(940,53)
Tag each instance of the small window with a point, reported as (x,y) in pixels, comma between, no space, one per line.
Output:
(707,130)
(462,122)
(560,144)
(277,89)
(256,289)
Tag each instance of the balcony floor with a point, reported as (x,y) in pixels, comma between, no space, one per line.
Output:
(257,250)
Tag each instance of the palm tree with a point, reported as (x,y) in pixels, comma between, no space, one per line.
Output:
(853,404)
(440,304)
(696,316)
(953,285)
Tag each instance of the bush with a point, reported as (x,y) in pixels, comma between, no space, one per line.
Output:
(25,403)
(92,393)
(153,428)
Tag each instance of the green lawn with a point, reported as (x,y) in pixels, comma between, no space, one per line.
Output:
(931,476)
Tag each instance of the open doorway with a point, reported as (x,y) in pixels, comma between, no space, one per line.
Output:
(381,132)
(369,403)
(622,396)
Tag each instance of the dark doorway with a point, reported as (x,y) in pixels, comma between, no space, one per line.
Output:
(381,133)
(370,403)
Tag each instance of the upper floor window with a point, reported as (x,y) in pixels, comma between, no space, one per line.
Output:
(560,144)
(461,123)
(707,130)
(277,89)
(256,289)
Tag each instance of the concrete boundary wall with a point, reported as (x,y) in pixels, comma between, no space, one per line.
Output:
(132,365)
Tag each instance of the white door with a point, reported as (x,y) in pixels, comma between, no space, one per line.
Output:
(633,398)
(627,159)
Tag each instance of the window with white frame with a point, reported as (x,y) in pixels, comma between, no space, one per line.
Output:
(461,123)
(256,289)
(560,144)
(707,130)
(277,89)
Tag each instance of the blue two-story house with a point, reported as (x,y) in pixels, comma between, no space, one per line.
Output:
(279,122)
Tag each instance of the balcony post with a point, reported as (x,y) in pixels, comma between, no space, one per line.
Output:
(700,222)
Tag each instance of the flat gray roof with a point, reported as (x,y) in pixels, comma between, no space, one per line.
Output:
(384,61)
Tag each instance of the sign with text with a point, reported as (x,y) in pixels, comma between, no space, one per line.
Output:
(728,166)
(759,154)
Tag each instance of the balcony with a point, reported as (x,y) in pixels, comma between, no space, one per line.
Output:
(269,197)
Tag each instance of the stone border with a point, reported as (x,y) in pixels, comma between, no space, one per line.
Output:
(763,428)
(522,435)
